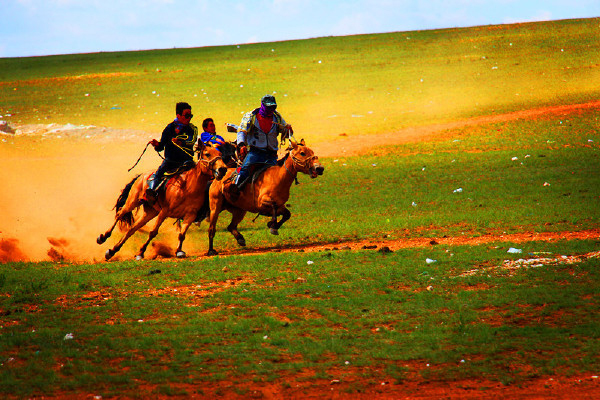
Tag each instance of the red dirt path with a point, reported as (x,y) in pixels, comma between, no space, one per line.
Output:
(356,144)
(423,242)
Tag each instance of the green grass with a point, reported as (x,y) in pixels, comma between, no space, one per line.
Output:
(326,86)
(360,309)
(372,196)
(351,313)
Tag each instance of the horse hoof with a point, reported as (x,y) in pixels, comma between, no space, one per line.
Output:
(101,239)
(181,254)
(274,231)
(139,257)
(108,255)
(212,252)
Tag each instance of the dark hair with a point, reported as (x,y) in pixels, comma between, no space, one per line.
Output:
(206,121)
(179,107)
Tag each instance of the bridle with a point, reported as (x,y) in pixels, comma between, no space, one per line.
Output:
(306,164)
(207,163)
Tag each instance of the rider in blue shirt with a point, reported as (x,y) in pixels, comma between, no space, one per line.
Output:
(209,136)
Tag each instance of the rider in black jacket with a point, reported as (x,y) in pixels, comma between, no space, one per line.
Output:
(177,140)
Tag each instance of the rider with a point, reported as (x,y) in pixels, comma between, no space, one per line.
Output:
(177,140)
(259,129)
(209,136)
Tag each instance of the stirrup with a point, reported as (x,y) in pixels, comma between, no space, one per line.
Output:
(150,196)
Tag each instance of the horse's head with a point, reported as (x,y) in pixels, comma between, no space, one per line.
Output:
(227,150)
(211,161)
(305,159)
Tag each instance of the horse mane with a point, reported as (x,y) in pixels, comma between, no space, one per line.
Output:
(281,161)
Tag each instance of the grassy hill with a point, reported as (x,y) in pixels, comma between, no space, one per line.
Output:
(445,318)
(324,86)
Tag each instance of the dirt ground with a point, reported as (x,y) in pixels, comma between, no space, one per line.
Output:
(70,188)
(66,204)
(560,388)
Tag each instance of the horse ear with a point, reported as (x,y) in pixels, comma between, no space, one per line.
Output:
(294,144)
(302,142)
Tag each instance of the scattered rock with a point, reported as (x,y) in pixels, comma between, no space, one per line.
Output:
(4,127)
(385,249)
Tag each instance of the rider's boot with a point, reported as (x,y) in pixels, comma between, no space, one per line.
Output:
(151,194)
(235,189)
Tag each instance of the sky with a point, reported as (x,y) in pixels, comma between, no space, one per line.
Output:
(46,27)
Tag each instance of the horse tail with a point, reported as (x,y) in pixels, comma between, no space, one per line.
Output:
(127,218)
(204,211)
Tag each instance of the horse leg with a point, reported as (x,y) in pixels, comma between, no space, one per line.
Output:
(161,218)
(132,193)
(216,205)
(186,225)
(237,216)
(104,236)
(285,215)
(272,224)
(147,215)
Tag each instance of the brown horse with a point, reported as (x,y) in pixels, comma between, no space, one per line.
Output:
(265,196)
(182,198)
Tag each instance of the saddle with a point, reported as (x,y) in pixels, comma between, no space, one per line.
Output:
(169,175)
(255,171)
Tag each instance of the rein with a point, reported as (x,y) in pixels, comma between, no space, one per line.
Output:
(209,164)
(296,162)
(305,164)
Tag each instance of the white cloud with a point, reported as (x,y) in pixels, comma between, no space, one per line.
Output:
(38,27)
(540,16)
(352,24)
(290,7)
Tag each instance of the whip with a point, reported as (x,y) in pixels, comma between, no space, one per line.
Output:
(140,157)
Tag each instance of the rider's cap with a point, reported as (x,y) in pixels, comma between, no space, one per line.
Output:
(268,100)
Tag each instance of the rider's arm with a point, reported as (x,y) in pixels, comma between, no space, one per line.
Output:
(283,128)
(244,128)
(166,136)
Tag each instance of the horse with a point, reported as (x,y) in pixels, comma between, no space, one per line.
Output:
(182,199)
(267,195)
(228,154)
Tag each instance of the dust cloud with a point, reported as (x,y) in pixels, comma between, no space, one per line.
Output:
(59,192)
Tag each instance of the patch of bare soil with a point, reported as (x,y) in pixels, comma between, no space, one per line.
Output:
(383,245)
(358,144)
(350,385)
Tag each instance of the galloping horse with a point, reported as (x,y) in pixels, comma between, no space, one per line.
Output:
(265,196)
(182,198)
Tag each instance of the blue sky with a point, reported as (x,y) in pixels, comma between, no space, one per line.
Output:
(43,27)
